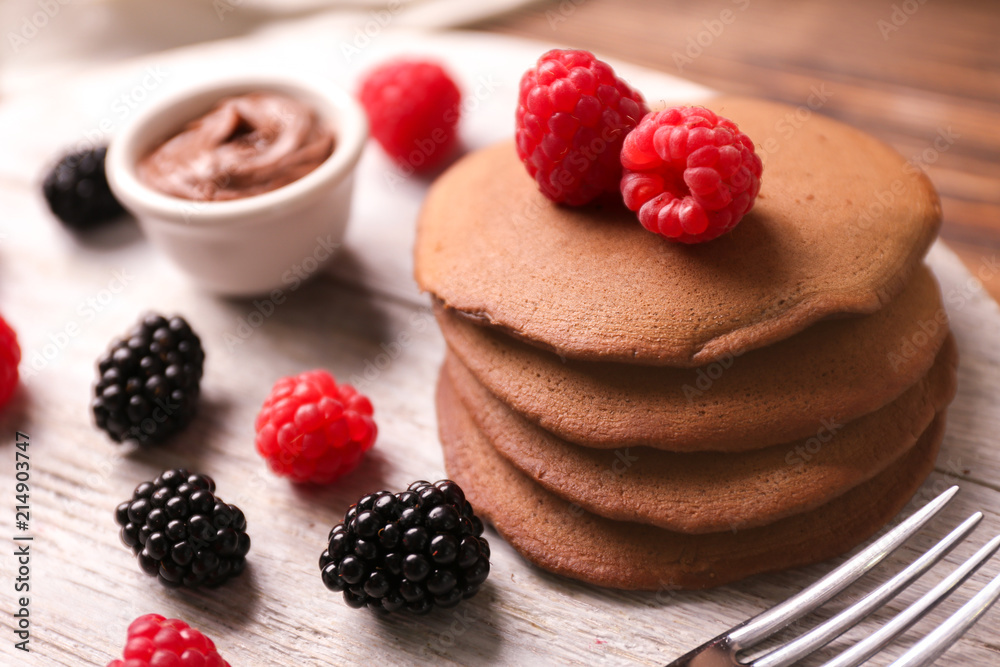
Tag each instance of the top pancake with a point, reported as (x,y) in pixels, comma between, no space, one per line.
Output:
(840,223)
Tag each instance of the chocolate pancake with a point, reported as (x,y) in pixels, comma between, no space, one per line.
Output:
(567,540)
(712,492)
(841,222)
(775,394)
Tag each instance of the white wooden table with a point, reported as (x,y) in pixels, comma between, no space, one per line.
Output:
(67,297)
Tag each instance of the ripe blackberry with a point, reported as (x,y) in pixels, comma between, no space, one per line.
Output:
(77,191)
(412,550)
(148,382)
(181,533)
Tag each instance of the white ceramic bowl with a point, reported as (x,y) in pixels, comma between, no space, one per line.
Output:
(256,244)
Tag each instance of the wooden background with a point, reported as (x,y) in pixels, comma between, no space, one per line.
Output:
(902,76)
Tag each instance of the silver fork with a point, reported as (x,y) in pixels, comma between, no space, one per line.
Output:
(722,651)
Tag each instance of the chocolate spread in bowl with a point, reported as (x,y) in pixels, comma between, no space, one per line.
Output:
(246,145)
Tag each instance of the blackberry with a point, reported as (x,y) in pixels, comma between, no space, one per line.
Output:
(149,381)
(181,533)
(415,550)
(77,191)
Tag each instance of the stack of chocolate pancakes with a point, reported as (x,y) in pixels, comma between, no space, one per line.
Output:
(643,414)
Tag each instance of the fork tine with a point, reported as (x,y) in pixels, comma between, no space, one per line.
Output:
(930,648)
(779,616)
(833,627)
(874,642)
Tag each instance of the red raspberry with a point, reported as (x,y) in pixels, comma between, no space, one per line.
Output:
(413,109)
(155,641)
(572,115)
(691,174)
(312,430)
(10,357)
